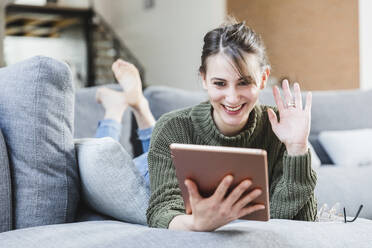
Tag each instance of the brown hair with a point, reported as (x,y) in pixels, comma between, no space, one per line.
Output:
(233,38)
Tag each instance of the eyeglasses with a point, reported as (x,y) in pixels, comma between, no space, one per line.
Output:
(356,216)
(334,214)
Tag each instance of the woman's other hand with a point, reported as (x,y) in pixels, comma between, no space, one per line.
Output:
(217,210)
(294,126)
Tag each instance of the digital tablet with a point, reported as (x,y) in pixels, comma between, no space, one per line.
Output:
(208,165)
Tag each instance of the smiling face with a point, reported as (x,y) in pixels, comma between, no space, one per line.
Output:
(232,95)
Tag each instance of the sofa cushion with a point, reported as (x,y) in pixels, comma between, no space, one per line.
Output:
(348,147)
(111,184)
(5,189)
(36,109)
(275,233)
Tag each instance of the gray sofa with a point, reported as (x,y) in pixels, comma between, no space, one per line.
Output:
(335,110)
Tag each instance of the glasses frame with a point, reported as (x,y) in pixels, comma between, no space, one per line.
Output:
(356,216)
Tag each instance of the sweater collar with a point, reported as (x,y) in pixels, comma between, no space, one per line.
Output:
(202,119)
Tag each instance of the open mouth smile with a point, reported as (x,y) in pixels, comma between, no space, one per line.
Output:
(233,109)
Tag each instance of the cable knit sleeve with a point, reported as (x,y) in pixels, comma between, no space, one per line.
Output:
(166,200)
(292,187)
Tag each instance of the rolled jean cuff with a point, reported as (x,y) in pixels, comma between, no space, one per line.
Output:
(145,134)
(108,128)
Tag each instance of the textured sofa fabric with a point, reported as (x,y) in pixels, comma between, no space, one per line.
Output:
(5,189)
(275,233)
(36,109)
(112,184)
(163,99)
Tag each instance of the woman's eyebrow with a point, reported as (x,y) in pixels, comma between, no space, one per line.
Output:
(247,78)
(216,78)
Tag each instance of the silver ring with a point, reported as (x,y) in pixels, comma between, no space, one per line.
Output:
(291,104)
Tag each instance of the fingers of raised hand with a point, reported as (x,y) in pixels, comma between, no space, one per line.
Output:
(222,188)
(272,117)
(308,102)
(247,199)
(237,192)
(278,98)
(297,96)
(287,92)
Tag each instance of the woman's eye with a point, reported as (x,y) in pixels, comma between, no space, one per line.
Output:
(219,83)
(244,83)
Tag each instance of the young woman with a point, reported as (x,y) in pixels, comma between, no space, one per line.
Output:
(234,70)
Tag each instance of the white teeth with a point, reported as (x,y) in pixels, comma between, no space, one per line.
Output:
(233,109)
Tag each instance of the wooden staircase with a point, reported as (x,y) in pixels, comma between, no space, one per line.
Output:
(102,43)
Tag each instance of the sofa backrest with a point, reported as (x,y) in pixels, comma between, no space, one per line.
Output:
(331,110)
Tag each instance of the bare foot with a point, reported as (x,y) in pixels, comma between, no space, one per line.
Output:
(129,79)
(114,103)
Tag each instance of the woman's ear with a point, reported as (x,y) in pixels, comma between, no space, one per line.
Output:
(265,77)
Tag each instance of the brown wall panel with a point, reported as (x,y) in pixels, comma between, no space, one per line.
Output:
(312,42)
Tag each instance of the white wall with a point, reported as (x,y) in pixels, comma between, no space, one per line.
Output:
(70,48)
(75,3)
(168,38)
(365,41)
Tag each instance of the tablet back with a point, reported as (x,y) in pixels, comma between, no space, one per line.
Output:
(207,165)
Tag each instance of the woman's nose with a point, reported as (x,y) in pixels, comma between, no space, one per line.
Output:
(232,97)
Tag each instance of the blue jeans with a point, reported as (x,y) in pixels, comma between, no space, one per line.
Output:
(112,128)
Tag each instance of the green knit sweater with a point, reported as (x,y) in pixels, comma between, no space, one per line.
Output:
(291,178)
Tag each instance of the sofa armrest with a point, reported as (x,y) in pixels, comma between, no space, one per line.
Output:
(6,217)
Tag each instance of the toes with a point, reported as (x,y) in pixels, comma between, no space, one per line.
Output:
(98,95)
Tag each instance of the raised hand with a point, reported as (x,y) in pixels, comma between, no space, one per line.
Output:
(294,126)
(217,210)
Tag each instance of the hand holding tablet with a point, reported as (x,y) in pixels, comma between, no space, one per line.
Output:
(225,183)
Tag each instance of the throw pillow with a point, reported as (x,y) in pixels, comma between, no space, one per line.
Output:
(5,189)
(349,147)
(315,161)
(36,109)
(110,182)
